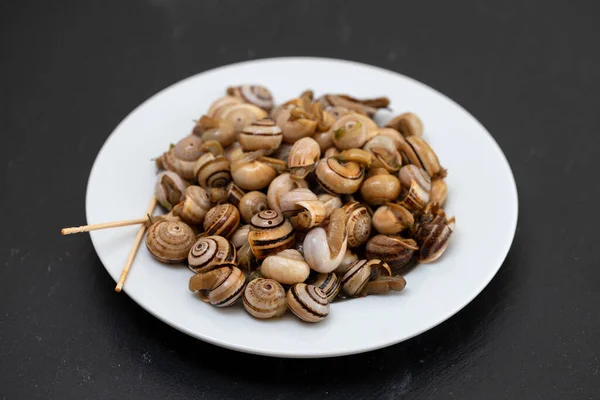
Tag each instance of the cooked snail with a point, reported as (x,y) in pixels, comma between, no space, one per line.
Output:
(416,151)
(324,248)
(289,202)
(169,241)
(220,287)
(253,171)
(240,236)
(330,202)
(313,214)
(353,131)
(170,189)
(269,234)
(241,115)
(220,130)
(209,252)
(329,283)
(384,153)
(252,203)
(392,218)
(280,186)
(356,278)
(212,168)
(438,192)
(432,233)
(359,223)
(222,220)
(394,250)
(218,105)
(182,158)
(380,187)
(308,302)
(265,298)
(194,207)
(349,258)
(254,94)
(339,177)
(408,124)
(364,106)
(286,267)
(296,123)
(261,135)
(303,157)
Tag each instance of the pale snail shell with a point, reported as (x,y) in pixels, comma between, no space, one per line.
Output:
(337,112)
(392,218)
(384,153)
(195,206)
(339,178)
(182,158)
(209,252)
(324,140)
(241,115)
(303,157)
(331,152)
(439,192)
(416,151)
(385,284)
(356,278)
(252,203)
(220,287)
(394,250)
(261,135)
(289,201)
(359,223)
(380,187)
(308,302)
(269,234)
(170,189)
(314,214)
(258,95)
(240,236)
(324,249)
(408,124)
(362,106)
(283,152)
(416,198)
(218,105)
(254,172)
(222,220)
(233,152)
(330,202)
(349,258)
(409,173)
(393,134)
(264,298)
(169,241)
(292,128)
(220,130)
(353,131)
(330,284)
(286,267)
(280,186)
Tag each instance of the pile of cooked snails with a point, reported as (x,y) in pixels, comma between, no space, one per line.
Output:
(295,206)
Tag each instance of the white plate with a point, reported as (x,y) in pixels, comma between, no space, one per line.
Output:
(482,195)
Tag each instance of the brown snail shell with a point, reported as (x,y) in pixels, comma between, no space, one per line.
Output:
(265,298)
(409,173)
(218,105)
(220,130)
(416,198)
(241,115)
(170,189)
(324,140)
(349,258)
(240,236)
(255,172)
(408,124)
(384,153)
(209,252)
(195,206)
(353,131)
(385,284)
(331,152)
(416,151)
(362,106)
(234,194)
(169,241)
(392,218)
(303,157)
(222,220)
(313,214)
(394,250)
(308,302)
(359,223)
(439,192)
(252,203)
(286,267)
(261,135)
(182,158)
(324,248)
(356,278)
(339,178)
(220,287)
(258,95)
(330,284)
(380,187)
(433,233)
(269,234)
(213,170)
(294,128)
(279,187)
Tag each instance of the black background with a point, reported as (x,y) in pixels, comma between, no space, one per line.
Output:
(70,71)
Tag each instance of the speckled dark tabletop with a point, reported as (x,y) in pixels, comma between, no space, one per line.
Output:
(71,70)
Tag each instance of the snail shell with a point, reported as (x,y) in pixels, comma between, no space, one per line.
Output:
(416,151)
(220,287)
(233,152)
(261,135)
(218,105)
(258,95)
(170,189)
(240,236)
(213,171)
(330,202)
(408,124)
(303,157)
(220,130)
(439,192)
(169,241)
(286,267)
(181,159)
(209,252)
(410,173)
(359,223)
(324,140)
(264,298)
(241,115)
(294,128)
(252,203)
(254,172)
(380,187)
(356,278)
(433,233)
(195,206)
(337,112)
(269,234)
(331,152)
(362,106)
(283,152)
(416,198)
(392,218)
(339,178)
(308,302)
(330,284)
(349,258)
(384,153)
(234,194)
(289,201)
(222,220)
(313,215)
(385,284)
(279,187)
(394,250)
(324,249)
(353,131)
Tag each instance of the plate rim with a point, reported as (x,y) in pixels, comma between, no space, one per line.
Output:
(359,349)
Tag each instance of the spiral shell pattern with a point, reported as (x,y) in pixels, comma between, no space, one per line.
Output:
(394,250)
(220,287)
(359,223)
(254,94)
(170,241)
(308,302)
(209,252)
(222,220)
(330,284)
(356,278)
(261,135)
(264,298)
(269,234)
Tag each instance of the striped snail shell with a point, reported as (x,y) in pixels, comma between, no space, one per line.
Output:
(220,287)
(384,153)
(303,157)
(293,125)
(415,198)
(308,302)
(416,151)
(356,278)
(241,115)
(286,267)
(394,250)
(221,130)
(222,220)
(408,124)
(338,177)
(289,201)
(313,214)
(212,168)
(182,157)
(359,223)
(254,94)
(433,233)
(195,206)
(324,248)
(252,203)
(409,173)
(269,234)
(438,192)
(380,187)
(209,252)
(216,108)
(264,298)
(330,284)
(169,190)
(169,241)
(353,131)
(261,135)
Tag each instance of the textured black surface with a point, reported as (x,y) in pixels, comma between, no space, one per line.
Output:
(70,71)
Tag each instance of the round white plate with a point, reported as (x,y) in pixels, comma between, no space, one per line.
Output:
(482,195)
